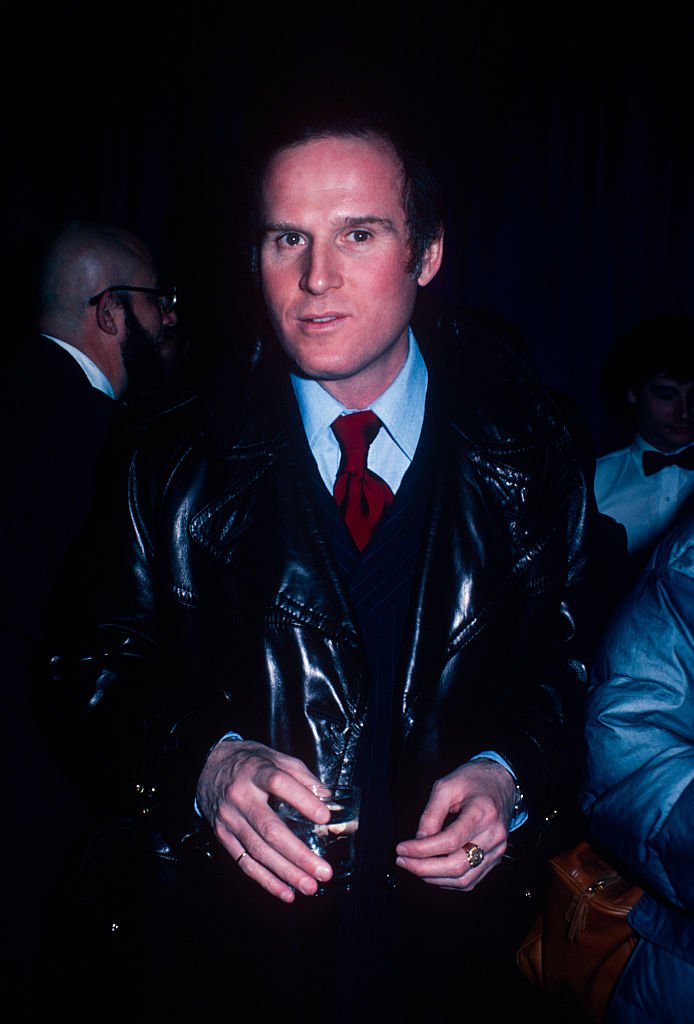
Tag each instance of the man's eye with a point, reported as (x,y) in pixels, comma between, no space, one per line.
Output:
(291,238)
(359,235)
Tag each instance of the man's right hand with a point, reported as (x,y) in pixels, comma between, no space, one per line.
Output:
(233,794)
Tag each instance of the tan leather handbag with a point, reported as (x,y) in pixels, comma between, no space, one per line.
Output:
(581,939)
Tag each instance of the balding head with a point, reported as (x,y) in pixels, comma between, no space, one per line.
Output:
(82,260)
(86,260)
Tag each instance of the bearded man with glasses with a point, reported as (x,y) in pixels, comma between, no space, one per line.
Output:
(101,317)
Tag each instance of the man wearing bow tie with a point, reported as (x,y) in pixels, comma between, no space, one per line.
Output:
(648,484)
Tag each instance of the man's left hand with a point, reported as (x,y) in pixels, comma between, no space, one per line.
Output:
(479,795)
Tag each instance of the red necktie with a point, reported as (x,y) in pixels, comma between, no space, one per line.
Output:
(361,495)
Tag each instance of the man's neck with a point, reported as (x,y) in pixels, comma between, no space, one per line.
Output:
(361,390)
(667,449)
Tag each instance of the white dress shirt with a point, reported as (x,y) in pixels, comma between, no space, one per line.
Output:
(646,505)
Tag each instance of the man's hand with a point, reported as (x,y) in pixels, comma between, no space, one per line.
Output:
(480,796)
(234,788)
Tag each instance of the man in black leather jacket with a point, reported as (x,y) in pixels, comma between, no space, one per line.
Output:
(244,649)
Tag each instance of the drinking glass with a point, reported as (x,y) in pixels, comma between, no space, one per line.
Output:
(335,841)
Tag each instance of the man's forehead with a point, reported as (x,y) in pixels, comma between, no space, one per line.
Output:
(668,378)
(333,168)
(326,151)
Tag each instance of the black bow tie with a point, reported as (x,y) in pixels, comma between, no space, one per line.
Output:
(655,461)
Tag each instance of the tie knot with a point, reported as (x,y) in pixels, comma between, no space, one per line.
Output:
(354,433)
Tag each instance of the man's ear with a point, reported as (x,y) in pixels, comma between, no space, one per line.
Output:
(431,261)
(106,311)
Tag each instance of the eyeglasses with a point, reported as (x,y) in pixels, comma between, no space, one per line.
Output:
(166,297)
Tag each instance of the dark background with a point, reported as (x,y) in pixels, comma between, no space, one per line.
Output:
(568,142)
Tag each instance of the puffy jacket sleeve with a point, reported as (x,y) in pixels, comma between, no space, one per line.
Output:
(638,790)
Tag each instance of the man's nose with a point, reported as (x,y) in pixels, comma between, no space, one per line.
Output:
(169,318)
(322,270)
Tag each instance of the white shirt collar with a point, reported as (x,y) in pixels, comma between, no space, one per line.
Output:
(639,445)
(96,377)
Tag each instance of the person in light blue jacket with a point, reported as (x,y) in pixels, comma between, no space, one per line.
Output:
(638,789)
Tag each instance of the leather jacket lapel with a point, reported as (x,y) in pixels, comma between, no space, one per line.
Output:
(284,560)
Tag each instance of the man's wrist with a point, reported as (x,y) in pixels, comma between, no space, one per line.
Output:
(519,813)
(227,736)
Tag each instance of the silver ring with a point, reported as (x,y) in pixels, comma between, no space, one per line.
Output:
(474,854)
(241,856)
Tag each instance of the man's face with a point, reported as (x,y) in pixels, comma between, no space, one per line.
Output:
(332,264)
(665,412)
(144,365)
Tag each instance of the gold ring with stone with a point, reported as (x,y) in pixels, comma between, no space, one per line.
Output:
(474,854)
(241,856)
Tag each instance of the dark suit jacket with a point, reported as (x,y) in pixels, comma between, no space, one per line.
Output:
(55,429)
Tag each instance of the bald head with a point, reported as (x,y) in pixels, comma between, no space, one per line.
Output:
(86,260)
(82,260)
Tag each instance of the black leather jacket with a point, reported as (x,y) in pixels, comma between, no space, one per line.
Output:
(222,608)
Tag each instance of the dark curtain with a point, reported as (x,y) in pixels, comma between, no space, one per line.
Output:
(566,136)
